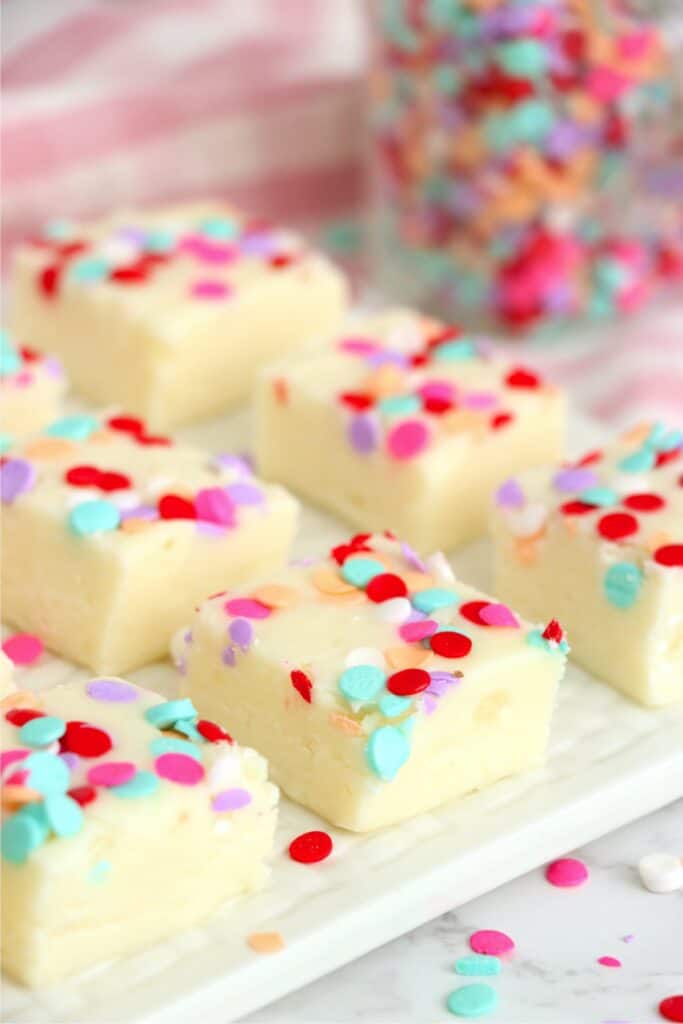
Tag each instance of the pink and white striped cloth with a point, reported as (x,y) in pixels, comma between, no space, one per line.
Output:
(262,101)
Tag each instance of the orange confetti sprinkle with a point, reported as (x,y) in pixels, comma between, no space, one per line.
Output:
(50,448)
(406,656)
(135,525)
(416,581)
(266,942)
(21,699)
(281,390)
(15,796)
(276,595)
(345,724)
(330,582)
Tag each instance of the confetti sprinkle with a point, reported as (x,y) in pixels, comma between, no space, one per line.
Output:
(387,751)
(478,965)
(231,800)
(661,872)
(566,873)
(112,691)
(475,1000)
(311,847)
(179,768)
(609,961)
(17,477)
(491,942)
(23,649)
(407,439)
(94,517)
(671,1008)
(266,942)
(111,773)
(302,684)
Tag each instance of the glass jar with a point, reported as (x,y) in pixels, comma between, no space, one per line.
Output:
(528,156)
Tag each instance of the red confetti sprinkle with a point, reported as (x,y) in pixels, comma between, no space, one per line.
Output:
(152,439)
(450,645)
(471,611)
(110,481)
(281,260)
(669,555)
(576,508)
(20,716)
(212,732)
(48,280)
(671,1008)
(521,377)
(445,334)
(135,273)
(385,586)
(310,847)
(302,684)
(173,506)
(644,502)
(83,795)
(553,632)
(437,406)
(67,250)
(617,525)
(85,740)
(356,400)
(127,424)
(29,355)
(82,476)
(590,458)
(501,419)
(408,682)
(343,551)
(663,458)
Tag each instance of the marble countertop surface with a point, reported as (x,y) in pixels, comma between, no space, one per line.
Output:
(554,977)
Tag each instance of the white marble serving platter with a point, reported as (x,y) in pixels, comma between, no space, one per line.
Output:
(610,762)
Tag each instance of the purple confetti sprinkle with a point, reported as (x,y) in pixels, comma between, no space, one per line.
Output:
(140,512)
(388,357)
(243,493)
(259,243)
(228,656)
(510,494)
(480,400)
(16,477)
(412,558)
(231,800)
(429,703)
(239,463)
(575,479)
(241,633)
(71,760)
(54,367)
(363,433)
(114,691)
(212,529)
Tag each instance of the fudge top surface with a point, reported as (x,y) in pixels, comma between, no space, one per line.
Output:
(108,475)
(372,633)
(629,496)
(173,267)
(410,380)
(107,754)
(21,367)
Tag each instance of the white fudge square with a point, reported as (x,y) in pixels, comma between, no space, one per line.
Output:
(170,312)
(112,535)
(600,541)
(32,388)
(127,819)
(377,686)
(404,423)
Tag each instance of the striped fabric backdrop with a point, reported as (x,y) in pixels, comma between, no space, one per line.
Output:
(116,102)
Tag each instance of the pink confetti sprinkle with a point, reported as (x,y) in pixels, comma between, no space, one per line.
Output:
(566,873)
(480,400)
(23,648)
(358,346)
(207,289)
(111,773)
(407,439)
(492,942)
(8,757)
(180,768)
(609,961)
(420,630)
(438,389)
(214,505)
(498,615)
(247,608)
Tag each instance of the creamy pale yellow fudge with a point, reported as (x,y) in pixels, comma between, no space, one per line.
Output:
(170,312)
(6,672)
(126,818)
(600,541)
(112,534)
(32,387)
(404,423)
(377,685)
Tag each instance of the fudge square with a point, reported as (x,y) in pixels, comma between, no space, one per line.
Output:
(170,312)
(600,541)
(112,534)
(404,424)
(376,685)
(128,818)
(32,388)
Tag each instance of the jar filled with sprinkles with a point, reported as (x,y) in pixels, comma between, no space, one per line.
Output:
(527,157)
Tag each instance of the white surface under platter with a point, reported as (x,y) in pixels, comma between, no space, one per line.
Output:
(610,762)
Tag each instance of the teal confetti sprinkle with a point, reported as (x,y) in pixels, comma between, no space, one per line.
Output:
(19,836)
(47,773)
(165,715)
(474,1000)
(477,965)
(524,58)
(455,351)
(359,571)
(41,732)
(220,228)
(638,462)
(536,639)
(74,428)
(98,516)
(361,682)
(387,751)
(604,497)
(64,815)
(159,241)
(622,584)
(392,706)
(10,361)
(142,784)
(173,745)
(429,600)
(6,442)
(88,271)
(187,727)
(400,405)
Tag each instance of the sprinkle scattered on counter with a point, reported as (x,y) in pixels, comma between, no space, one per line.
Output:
(567,873)
(23,649)
(266,942)
(311,847)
